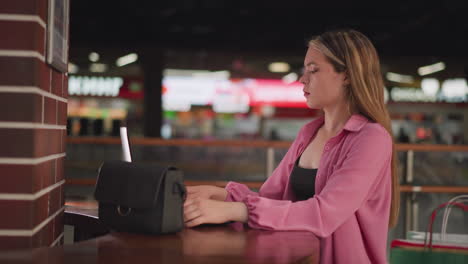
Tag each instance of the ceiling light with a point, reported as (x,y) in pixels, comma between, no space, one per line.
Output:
(93,56)
(127,59)
(396,77)
(425,70)
(278,67)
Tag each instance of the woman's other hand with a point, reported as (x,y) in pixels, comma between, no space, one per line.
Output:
(206,211)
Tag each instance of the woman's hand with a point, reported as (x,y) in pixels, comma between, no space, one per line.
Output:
(206,192)
(205,211)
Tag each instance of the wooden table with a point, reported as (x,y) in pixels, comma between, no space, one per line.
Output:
(228,243)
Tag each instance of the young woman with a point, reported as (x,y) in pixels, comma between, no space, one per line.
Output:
(338,178)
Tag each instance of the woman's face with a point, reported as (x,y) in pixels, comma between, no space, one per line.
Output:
(323,87)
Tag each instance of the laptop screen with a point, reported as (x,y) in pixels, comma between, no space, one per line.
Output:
(125,145)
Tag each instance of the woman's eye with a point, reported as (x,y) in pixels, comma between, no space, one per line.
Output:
(313,71)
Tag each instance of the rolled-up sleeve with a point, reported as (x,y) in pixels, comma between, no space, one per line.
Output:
(237,192)
(346,189)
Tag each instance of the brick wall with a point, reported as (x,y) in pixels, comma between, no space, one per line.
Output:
(33,110)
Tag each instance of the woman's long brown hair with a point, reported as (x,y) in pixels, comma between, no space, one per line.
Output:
(352,52)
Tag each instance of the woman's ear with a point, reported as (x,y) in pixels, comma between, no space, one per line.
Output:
(346,80)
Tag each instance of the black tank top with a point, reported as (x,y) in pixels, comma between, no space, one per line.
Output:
(302,181)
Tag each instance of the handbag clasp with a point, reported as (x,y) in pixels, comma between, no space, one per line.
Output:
(119,210)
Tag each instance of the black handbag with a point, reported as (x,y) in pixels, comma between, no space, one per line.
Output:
(140,198)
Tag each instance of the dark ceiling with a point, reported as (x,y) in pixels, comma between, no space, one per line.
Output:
(411,28)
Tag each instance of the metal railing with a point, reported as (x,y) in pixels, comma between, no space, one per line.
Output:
(410,186)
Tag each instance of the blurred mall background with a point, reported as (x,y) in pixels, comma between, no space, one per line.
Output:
(229,70)
(211,87)
(215,84)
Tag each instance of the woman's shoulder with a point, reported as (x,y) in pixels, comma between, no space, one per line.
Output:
(374,128)
(373,133)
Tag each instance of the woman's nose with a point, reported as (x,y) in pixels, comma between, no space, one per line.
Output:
(302,79)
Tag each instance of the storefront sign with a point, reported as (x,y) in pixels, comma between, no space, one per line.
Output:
(451,90)
(94,86)
(229,95)
(275,93)
(180,92)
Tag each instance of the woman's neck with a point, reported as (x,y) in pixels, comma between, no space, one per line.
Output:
(335,119)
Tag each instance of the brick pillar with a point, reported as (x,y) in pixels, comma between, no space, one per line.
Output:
(33,110)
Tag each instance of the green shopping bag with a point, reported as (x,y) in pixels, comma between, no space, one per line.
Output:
(414,251)
(402,255)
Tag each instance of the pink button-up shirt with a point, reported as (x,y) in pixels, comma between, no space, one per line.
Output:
(351,206)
